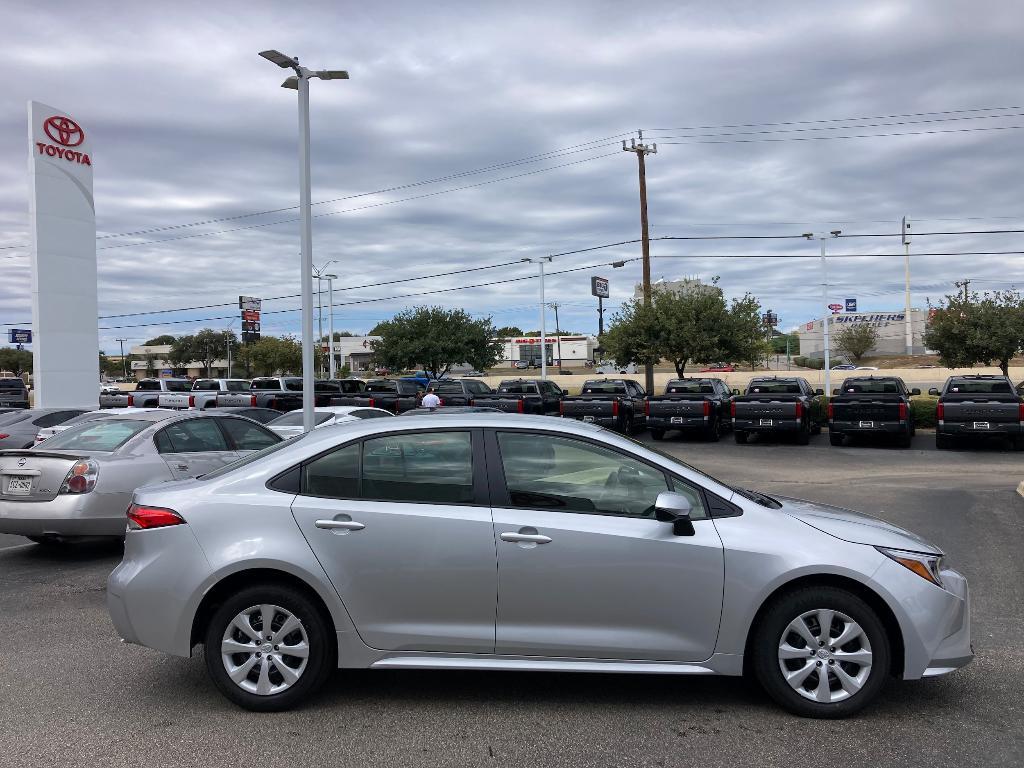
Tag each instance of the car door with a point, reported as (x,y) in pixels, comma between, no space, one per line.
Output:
(584,569)
(193,447)
(638,394)
(402,525)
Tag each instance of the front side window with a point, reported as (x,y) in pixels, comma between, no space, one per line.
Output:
(569,475)
(248,436)
(435,467)
(192,436)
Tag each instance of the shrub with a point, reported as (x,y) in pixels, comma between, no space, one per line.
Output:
(923,407)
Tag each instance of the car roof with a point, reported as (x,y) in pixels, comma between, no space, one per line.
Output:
(344,410)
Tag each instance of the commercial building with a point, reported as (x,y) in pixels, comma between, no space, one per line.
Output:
(154,364)
(891,328)
(683,286)
(575,350)
(353,351)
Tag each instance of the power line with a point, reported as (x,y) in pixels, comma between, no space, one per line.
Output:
(853,136)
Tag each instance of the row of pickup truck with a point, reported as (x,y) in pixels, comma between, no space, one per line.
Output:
(968,406)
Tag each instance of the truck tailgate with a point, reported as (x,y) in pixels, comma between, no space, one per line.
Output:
(233,399)
(506,403)
(992,411)
(575,408)
(668,408)
(868,409)
(178,400)
(747,407)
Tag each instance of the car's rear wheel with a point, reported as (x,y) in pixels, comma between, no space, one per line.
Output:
(268,648)
(821,652)
(803,437)
(943,442)
(714,433)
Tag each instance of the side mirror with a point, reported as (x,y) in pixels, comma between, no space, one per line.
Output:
(933,391)
(819,391)
(835,390)
(735,391)
(674,508)
(915,391)
(565,392)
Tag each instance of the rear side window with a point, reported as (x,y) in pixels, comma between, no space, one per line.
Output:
(435,467)
(294,385)
(248,436)
(192,436)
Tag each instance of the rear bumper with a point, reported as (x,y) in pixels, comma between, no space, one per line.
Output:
(67,515)
(966,429)
(683,423)
(603,421)
(777,425)
(877,427)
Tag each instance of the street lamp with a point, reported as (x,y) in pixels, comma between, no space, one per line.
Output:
(318,273)
(824,301)
(543,339)
(330,321)
(300,82)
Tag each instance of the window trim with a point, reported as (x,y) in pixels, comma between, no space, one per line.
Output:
(500,498)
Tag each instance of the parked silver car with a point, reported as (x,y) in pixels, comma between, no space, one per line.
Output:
(80,481)
(475,541)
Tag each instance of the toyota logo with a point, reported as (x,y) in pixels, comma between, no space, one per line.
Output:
(64,131)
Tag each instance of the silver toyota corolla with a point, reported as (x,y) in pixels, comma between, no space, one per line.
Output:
(79,482)
(473,541)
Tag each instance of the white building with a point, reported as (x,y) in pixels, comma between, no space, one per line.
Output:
(154,364)
(575,350)
(891,328)
(680,287)
(353,351)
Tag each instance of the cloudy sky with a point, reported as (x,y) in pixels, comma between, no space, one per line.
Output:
(480,133)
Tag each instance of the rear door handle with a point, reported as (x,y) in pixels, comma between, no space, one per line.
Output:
(532,538)
(339,525)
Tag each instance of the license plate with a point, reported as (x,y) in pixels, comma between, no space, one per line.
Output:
(867,424)
(19,485)
(589,419)
(981,425)
(676,420)
(767,422)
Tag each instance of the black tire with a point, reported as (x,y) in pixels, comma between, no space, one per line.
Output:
(770,632)
(1018,443)
(803,437)
(740,437)
(714,433)
(943,442)
(903,440)
(321,662)
(657,434)
(836,438)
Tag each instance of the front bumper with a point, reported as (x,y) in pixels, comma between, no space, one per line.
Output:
(87,514)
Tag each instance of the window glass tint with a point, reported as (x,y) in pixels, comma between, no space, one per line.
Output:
(97,435)
(326,386)
(194,436)
(294,385)
(567,475)
(55,418)
(856,386)
(239,385)
(251,458)
(204,385)
(774,388)
(381,385)
(335,474)
(683,388)
(604,388)
(369,413)
(178,386)
(294,418)
(248,436)
(518,388)
(11,384)
(147,386)
(265,384)
(979,386)
(434,467)
(698,512)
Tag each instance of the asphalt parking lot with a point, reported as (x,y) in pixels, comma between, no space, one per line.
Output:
(71,694)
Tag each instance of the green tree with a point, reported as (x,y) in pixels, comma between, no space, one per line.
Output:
(271,355)
(437,339)
(160,340)
(110,367)
(779,344)
(966,329)
(855,340)
(508,331)
(18,361)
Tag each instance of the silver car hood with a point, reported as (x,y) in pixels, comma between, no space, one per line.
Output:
(855,527)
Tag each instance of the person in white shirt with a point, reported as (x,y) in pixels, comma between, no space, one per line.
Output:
(430,400)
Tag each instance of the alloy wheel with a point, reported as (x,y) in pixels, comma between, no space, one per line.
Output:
(825,656)
(265,649)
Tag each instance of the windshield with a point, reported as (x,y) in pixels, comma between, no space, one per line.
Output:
(12,384)
(98,435)
(294,419)
(255,456)
(690,388)
(979,387)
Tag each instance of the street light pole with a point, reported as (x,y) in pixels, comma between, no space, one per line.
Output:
(300,82)
(543,336)
(824,302)
(330,322)
(907,323)
(124,362)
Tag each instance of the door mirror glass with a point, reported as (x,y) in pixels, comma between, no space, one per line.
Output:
(933,391)
(735,391)
(819,391)
(675,508)
(915,391)
(565,392)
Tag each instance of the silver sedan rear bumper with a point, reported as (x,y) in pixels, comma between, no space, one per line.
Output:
(66,515)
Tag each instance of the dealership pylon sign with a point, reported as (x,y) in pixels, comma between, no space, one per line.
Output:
(63,228)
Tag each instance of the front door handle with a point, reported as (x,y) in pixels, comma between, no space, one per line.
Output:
(527,538)
(339,525)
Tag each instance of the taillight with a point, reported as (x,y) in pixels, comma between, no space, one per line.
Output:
(615,407)
(440,401)
(519,406)
(799,411)
(140,517)
(707,408)
(647,407)
(471,402)
(191,401)
(3,435)
(561,408)
(903,411)
(830,410)
(131,401)
(1020,415)
(732,408)
(373,403)
(252,400)
(81,478)
(940,411)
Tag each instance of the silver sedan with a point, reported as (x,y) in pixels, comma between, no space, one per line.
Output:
(79,482)
(474,541)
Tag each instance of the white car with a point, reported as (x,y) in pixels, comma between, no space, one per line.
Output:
(46,432)
(290,424)
(866,368)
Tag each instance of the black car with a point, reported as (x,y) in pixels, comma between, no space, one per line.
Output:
(872,406)
(458,391)
(395,395)
(538,396)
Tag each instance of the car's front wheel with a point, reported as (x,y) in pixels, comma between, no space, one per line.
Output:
(821,652)
(268,648)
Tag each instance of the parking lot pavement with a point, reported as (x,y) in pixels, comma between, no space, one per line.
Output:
(73,695)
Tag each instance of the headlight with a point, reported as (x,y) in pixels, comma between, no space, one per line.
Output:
(924,565)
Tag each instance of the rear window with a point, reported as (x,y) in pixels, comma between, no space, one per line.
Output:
(178,386)
(147,386)
(381,385)
(12,384)
(239,385)
(518,388)
(326,386)
(266,384)
(868,386)
(690,388)
(774,388)
(979,386)
(604,388)
(98,435)
(204,385)
(446,388)
(15,416)
(294,419)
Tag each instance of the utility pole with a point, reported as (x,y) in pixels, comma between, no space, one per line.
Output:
(641,150)
(227,348)
(558,333)
(124,361)
(908,325)
(826,321)
(963,284)
(330,324)
(543,336)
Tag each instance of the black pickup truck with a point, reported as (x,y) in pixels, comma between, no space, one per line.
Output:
(395,395)
(614,403)
(778,405)
(690,405)
(872,405)
(978,407)
(13,392)
(281,393)
(459,391)
(538,396)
